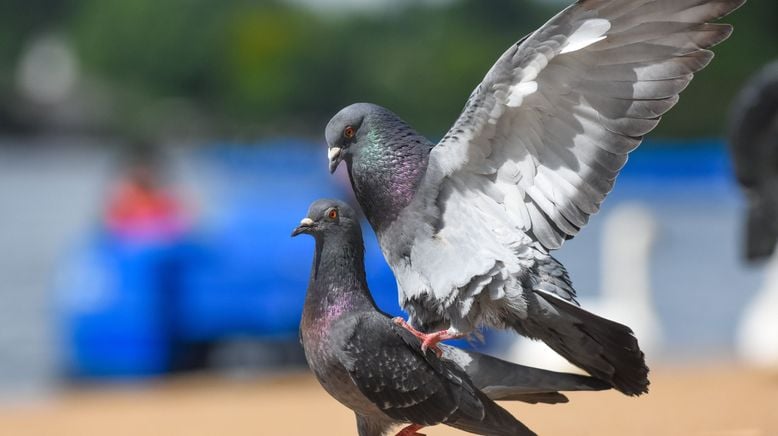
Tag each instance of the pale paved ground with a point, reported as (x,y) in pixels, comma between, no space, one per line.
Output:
(710,401)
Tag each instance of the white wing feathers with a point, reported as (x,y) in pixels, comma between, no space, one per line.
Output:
(589,32)
(544,135)
(550,127)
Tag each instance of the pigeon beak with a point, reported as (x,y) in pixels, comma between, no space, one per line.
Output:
(305,227)
(334,156)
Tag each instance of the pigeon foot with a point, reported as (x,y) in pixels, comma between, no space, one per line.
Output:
(411,430)
(428,340)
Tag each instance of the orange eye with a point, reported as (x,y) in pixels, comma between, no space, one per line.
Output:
(348,132)
(332,214)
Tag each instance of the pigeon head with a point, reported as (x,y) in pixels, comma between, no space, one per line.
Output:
(347,131)
(386,158)
(328,217)
(340,252)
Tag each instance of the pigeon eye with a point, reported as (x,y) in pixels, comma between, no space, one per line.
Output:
(332,214)
(348,132)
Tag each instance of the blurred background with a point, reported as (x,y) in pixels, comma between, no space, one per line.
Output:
(154,157)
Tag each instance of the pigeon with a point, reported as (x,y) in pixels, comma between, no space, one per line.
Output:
(365,360)
(468,224)
(753,144)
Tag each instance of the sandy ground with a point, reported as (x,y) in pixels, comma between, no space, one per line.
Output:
(689,401)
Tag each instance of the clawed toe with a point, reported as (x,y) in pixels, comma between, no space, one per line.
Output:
(411,430)
(430,343)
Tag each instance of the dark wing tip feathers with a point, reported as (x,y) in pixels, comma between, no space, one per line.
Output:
(539,398)
(621,353)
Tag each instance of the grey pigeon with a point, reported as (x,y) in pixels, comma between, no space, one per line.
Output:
(376,368)
(468,225)
(753,140)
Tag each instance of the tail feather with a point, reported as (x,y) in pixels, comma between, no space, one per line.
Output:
(501,380)
(544,398)
(605,349)
(496,421)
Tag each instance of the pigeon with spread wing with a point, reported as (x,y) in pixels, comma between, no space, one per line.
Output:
(468,224)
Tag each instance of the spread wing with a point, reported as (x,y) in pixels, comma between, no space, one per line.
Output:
(386,363)
(543,137)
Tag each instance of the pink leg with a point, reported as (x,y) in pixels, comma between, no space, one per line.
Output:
(428,340)
(411,430)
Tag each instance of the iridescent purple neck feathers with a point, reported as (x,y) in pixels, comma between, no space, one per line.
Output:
(387,168)
(337,284)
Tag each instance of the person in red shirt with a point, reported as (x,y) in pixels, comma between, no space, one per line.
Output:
(140,208)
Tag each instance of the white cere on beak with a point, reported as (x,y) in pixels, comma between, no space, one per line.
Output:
(333,153)
(306,222)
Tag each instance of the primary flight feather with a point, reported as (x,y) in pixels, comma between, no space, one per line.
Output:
(467,224)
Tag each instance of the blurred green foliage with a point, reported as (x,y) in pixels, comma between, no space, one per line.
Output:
(265,67)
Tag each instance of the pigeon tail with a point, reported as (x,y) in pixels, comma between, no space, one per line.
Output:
(605,349)
(502,380)
(496,421)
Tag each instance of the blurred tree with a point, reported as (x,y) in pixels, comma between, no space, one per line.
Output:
(163,47)
(248,67)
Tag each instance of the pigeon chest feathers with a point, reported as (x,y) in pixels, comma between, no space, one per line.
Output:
(386,173)
(323,333)
(317,320)
(319,334)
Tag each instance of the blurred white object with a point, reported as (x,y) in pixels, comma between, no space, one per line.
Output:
(48,70)
(757,334)
(628,236)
